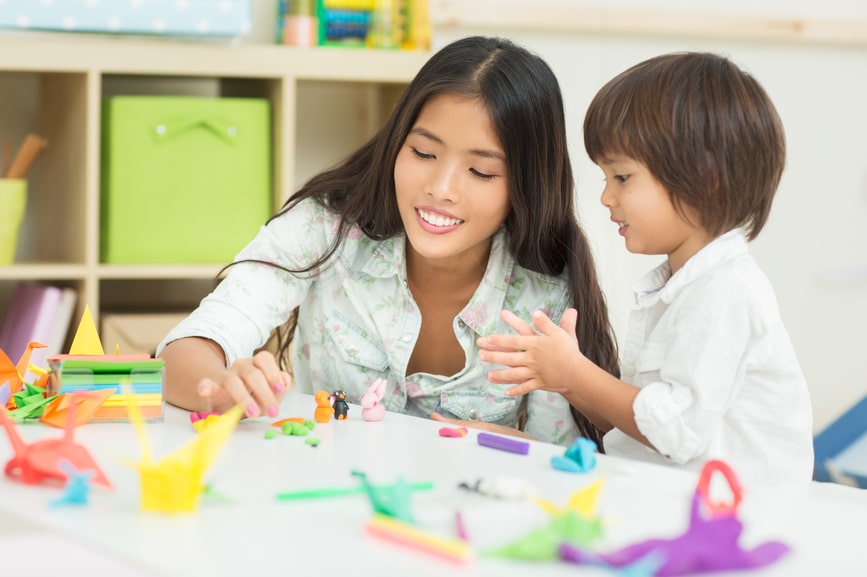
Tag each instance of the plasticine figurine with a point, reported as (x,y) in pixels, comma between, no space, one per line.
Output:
(324,410)
(341,407)
(372,408)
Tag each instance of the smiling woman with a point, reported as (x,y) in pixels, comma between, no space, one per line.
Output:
(393,263)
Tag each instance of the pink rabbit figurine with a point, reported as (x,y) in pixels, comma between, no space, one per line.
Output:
(372,408)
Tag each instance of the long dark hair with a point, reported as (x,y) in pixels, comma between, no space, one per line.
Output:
(523,99)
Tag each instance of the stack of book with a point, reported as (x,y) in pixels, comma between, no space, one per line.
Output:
(135,379)
(37,313)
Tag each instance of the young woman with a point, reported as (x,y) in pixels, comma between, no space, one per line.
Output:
(391,264)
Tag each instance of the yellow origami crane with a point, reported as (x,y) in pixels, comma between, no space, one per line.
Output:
(174,485)
(582,502)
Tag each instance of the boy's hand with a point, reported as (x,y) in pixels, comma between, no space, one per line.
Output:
(538,358)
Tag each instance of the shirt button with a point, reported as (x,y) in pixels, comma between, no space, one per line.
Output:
(406,337)
(461,323)
(474,415)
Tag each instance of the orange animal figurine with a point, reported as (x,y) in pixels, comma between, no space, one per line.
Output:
(324,410)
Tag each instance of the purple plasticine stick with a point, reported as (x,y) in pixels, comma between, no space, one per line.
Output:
(504,444)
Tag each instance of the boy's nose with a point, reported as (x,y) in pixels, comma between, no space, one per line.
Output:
(607,199)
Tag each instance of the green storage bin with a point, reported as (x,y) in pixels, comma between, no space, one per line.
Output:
(185,179)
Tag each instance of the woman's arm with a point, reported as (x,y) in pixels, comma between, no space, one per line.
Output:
(197,379)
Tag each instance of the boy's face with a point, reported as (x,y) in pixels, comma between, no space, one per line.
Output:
(645,215)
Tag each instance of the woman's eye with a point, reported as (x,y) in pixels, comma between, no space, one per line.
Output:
(420,154)
(482,175)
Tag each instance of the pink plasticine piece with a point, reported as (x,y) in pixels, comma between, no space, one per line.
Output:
(200,415)
(453,432)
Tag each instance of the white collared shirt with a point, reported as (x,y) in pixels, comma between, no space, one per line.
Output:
(718,375)
(358,321)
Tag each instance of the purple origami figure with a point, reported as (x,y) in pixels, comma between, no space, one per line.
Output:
(709,544)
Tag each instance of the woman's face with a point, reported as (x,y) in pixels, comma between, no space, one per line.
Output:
(451,181)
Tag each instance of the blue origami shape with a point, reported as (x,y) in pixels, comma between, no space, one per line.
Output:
(77,488)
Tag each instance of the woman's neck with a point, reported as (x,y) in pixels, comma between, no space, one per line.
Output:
(452,275)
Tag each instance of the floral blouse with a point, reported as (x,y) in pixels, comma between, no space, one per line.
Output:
(358,321)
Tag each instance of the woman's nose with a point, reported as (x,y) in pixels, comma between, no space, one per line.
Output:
(445,183)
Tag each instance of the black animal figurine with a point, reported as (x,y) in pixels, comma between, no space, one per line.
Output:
(341,407)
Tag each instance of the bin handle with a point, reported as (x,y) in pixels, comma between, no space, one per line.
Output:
(225,130)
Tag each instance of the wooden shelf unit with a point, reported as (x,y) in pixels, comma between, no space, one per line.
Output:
(324,103)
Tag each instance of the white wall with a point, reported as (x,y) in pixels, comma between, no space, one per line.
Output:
(814,248)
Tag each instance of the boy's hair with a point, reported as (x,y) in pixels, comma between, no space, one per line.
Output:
(704,128)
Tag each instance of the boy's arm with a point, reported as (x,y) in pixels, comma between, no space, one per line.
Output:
(549,357)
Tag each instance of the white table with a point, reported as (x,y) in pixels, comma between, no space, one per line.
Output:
(259,535)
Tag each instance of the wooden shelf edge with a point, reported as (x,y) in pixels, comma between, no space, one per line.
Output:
(550,16)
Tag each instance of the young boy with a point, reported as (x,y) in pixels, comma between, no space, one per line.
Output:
(692,149)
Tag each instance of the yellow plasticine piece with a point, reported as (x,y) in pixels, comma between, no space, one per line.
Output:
(174,484)
(201,424)
(86,340)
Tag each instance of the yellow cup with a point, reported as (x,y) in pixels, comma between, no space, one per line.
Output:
(13,200)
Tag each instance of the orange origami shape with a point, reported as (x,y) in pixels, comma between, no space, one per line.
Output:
(85,406)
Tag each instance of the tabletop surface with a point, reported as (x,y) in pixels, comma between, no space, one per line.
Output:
(248,531)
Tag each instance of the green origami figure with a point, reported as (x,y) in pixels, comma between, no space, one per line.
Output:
(576,523)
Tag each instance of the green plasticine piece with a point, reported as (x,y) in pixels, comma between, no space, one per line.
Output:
(295,429)
(270,433)
(312,441)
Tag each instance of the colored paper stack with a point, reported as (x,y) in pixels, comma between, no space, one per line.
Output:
(134,379)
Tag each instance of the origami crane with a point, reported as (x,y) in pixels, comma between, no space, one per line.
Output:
(575,523)
(13,375)
(174,484)
(40,461)
(709,543)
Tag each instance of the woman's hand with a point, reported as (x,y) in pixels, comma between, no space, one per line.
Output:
(482,425)
(255,383)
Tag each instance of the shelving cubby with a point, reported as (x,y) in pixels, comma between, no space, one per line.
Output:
(324,103)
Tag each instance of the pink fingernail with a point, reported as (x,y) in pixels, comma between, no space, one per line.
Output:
(252,410)
(204,388)
(279,387)
(273,410)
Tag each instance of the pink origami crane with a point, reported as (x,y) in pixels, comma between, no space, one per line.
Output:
(40,461)
(709,544)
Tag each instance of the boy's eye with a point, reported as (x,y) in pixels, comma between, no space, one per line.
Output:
(621,177)
(420,154)
(482,175)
